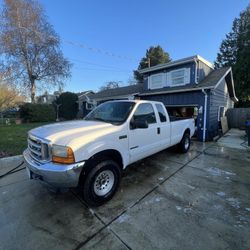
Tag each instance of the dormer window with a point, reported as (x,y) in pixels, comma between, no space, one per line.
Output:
(179,77)
(172,78)
(157,81)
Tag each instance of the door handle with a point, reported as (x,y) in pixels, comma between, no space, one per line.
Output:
(158,131)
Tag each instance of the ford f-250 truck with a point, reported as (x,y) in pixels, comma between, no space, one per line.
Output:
(91,153)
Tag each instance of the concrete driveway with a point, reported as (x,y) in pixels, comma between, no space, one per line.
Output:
(199,200)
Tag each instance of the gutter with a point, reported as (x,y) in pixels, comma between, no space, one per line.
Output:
(174,91)
(205,116)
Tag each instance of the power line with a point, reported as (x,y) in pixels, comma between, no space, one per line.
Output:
(83,46)
(96,69)
(96,64)
(97,50)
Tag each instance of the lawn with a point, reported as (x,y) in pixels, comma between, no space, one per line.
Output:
(13,138)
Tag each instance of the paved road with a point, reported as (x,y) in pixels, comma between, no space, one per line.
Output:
(199,200)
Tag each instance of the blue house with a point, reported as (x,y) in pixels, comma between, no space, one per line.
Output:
(193,85)
(189,87)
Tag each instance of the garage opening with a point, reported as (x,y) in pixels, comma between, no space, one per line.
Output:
(183,112)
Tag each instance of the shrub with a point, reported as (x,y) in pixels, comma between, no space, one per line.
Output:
(33,112)
(69,106)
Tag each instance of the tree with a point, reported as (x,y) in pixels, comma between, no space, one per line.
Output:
(68,105)
(154,56)
(235,52)
(30,46)
(9,97)
(110,85)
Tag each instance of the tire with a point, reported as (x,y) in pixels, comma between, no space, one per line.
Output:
(101,183)
(184,144)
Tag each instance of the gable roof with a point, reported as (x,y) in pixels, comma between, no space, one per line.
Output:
(85,95)
(120,92)
(175,63)
(213,79)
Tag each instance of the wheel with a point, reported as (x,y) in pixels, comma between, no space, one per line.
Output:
(101,182)
(184,144)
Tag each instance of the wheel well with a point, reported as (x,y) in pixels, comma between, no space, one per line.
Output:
(103,155)
(111,154)
(187,131)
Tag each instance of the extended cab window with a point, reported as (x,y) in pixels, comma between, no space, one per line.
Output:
(145,112)
(161,112)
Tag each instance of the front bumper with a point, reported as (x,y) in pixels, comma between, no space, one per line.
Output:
(58,175)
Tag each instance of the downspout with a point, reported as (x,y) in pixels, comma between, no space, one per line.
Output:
(205,116)
(196,71)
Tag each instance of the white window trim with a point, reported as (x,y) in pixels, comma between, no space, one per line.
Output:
(176,70)
(163,77)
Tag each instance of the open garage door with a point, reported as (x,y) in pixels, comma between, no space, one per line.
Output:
(183,112)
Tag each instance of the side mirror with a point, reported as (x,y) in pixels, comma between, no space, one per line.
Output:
(138,124)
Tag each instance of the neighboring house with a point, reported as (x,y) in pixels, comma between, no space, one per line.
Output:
(47,98)
(193,85)
(88,99)
(85,102)
(127,92)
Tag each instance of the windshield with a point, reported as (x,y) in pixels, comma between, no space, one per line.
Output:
(112,112)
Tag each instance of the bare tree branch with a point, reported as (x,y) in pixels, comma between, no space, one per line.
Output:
(30,47)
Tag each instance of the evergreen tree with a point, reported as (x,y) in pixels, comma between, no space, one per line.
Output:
(154,56)
(235,52)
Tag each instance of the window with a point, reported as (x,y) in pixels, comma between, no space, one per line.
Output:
(157,81)
(144,112)
(89,106)
(161,112)
(179,77)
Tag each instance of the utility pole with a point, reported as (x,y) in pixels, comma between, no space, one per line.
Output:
(149,62)
(57,111)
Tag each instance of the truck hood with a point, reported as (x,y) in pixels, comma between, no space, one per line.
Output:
(63,133)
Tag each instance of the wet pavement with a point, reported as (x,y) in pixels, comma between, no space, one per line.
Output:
(198,200)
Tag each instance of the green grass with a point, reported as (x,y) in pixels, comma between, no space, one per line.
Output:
(13,138)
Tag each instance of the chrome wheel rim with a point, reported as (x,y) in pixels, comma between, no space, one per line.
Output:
(186,144)
(104,182)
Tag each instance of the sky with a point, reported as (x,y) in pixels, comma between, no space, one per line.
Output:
(110,37)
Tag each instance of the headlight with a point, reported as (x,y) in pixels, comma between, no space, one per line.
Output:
(62,154)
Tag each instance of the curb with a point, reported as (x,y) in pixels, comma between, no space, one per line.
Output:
(8,161)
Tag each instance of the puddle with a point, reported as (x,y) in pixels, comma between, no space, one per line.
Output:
(123,218)
(234,202)
(221,193)
(219,172)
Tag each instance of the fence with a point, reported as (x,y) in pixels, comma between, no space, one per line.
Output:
(237,117)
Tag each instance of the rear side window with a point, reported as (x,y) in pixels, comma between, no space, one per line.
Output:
(144,112)
(161,112)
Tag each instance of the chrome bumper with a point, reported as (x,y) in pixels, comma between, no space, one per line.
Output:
(58,175)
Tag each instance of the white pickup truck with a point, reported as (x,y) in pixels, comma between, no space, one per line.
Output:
(91,153)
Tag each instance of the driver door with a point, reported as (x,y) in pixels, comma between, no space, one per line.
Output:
(144,141)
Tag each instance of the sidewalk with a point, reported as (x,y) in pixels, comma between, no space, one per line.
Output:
(234,138)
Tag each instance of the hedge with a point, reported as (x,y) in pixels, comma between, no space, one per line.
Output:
(33,112)
(69,106)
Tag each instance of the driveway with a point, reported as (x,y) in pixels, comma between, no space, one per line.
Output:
(198,200)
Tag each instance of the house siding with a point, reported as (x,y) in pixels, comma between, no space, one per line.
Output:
(218,97)
(202,70)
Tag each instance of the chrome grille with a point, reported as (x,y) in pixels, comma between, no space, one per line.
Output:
(38,149)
